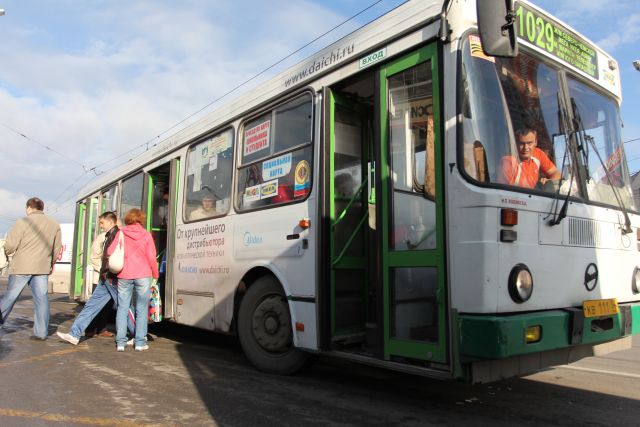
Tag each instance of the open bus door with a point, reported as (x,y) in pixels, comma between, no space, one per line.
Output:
(82,276)
(78,260)
(385,210)
(162,190)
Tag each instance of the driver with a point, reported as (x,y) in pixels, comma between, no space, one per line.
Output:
(532,165)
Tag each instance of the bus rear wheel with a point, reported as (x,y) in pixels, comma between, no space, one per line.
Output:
(264,329)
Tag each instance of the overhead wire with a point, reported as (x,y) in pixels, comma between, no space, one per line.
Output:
(95,169)
(46,147)
(157,137)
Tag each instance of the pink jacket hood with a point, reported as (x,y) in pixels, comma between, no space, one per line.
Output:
(135,232)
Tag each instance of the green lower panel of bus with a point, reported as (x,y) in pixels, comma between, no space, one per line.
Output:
(496,337)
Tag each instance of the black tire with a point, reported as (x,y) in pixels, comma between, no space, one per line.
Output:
(264,329)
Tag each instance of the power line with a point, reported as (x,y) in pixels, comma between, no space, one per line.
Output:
(237,87)
(46,147)
(75,181)
(631,140)
(94,169)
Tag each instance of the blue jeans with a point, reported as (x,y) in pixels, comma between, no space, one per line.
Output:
(142,289)
(39,288)
(104,292)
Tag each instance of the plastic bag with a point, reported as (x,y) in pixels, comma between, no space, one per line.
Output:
(155,303)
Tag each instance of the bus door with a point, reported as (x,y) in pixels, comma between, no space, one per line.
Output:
(86,215)
(385,207)
(350,142)
(79,251)
(410,209)
(161,190)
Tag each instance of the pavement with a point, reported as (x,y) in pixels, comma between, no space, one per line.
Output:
(194,378)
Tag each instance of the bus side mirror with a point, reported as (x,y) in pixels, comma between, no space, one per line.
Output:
(497,27)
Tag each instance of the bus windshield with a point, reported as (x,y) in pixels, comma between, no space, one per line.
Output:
(516,125)
(599,126)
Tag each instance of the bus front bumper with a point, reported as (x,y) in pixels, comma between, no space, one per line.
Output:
(498,337)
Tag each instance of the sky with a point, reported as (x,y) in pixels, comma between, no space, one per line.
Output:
(91,80)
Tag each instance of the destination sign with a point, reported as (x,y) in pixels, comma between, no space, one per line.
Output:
(553,38)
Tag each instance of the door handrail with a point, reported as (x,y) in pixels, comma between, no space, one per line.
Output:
(353,198)
(350,240)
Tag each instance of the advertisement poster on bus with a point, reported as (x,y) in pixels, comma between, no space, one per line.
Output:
(256,138)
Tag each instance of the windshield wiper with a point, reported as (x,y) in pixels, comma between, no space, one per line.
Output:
(564,126)
(581,138)
(588,139)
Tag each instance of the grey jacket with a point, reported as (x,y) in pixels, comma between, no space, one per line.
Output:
(34,241)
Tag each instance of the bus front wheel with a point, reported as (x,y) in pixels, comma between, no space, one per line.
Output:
(264,329)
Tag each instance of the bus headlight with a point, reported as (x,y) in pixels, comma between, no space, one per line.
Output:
(520,283)
(635,281)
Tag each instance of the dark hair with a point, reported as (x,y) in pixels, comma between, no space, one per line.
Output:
(111,216)
(135,215)
(525,129)
(35,203)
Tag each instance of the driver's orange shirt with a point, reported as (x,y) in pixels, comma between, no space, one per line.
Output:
(526,173)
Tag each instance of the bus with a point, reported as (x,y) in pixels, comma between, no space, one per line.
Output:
(442,192)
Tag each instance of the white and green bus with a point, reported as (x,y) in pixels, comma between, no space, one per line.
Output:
(376,202)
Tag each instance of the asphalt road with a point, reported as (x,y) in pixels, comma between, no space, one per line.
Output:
(193,378)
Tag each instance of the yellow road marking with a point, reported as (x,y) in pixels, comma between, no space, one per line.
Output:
(67,419)
(44,356)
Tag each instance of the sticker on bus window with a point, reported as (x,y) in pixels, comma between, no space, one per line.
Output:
(204,153)
(257,138)
(219,144)
(276,168)
(251,194)
(269,189)
(476,48)
(302,174)
(213,162)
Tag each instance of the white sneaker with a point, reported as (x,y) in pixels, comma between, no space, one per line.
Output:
(120,348)
(142,347)
(130,342)
(68,338)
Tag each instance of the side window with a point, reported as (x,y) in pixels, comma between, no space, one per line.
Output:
(209,171)
(109,200)
(277,156)
(131,194)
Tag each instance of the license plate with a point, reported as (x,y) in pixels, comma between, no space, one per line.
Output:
(600,307)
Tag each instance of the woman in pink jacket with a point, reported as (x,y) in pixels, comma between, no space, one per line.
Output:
(140,266)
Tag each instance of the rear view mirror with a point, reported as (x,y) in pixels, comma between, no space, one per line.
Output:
(496,25)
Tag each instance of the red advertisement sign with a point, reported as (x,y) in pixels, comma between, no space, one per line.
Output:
(257,138)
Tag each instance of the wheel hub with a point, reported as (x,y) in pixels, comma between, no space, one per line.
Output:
(271,324)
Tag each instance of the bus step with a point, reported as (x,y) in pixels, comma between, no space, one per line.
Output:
(349,338)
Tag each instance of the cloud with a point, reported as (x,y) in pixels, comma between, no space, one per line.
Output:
(11,208)
(94,82)
(627,33)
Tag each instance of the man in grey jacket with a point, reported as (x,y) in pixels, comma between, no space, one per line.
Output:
(34,242)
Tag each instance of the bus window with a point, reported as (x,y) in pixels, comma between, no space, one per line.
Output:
(512,123)
(599,118)
(131,194)
(109,200)
(277,156)
(209,171)
(412,155)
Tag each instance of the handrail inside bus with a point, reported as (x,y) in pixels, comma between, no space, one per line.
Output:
(353,198)
(353,236)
